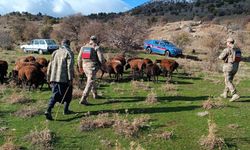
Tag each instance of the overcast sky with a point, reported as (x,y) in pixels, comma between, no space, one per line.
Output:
(60,8)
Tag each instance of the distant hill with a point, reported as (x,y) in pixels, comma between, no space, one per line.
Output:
(184,9)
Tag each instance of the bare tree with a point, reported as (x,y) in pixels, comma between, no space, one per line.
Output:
(214,44)
(96,28)
(71,27)
(17,27)
(126,32)
(45,31)
(30,31)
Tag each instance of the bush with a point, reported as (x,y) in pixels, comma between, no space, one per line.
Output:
(181,40)
(6,41)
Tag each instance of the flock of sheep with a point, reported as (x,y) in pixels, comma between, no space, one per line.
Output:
(30,71)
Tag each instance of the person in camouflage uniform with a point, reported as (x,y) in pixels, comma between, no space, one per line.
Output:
(90,59)
(60,75)
(231,57)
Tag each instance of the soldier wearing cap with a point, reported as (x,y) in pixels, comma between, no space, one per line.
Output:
(90,59)
(231,57)
(60,75)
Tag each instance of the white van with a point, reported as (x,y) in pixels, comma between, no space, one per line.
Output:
(41,46)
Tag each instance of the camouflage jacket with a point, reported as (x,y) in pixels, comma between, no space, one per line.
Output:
(61,66)
(227,56)
(94,63)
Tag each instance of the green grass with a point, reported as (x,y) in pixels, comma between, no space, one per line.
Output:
(176,111)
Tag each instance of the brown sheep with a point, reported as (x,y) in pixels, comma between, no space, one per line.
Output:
(120,58)
(152,70)
(19,65)
(168,66)
(3,70)
(113,67)
(30,59)
(136,64)
(42,61)
(31,75)
(147,61)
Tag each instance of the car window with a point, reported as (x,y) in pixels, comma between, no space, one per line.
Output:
(162,43)
(41,42)
(36,42)
(50,42)
(156,42)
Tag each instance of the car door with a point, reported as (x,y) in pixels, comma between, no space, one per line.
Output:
(155,47)
(42,45)
(35,45)
(162,48)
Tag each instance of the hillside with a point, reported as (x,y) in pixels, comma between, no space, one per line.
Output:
(174,10)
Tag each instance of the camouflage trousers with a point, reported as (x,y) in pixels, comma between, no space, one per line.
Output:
(90,85)
(229,73)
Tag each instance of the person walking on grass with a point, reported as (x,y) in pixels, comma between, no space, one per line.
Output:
(60,75)
(90,59)
(231,57)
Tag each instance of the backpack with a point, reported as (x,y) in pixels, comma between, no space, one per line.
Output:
(237,56)
(88,52)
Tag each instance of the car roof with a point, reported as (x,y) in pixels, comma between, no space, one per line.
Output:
(42,39)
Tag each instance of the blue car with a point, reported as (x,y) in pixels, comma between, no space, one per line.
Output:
(162,47)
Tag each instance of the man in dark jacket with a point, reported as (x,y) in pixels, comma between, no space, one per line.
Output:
(60,74)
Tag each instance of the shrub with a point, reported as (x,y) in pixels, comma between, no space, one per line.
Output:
(212,141)
(6,41)
(41,139)
(181,40)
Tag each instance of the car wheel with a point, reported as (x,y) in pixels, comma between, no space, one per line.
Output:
(40,51)
(167,54)
(149,50)
(24,50)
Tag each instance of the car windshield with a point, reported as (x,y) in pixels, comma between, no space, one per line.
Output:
(50,42)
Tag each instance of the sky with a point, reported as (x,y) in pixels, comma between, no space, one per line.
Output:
(61,8)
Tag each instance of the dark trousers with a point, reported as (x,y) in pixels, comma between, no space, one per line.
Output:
(58,93)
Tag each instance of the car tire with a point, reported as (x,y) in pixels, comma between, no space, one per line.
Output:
(167,54)
(149,50)
(40,51)
(24,50)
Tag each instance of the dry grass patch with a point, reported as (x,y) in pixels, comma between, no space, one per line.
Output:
(41,139)
(169,87)
(140,85)
(166,135)
(28,112)
(135,146)
(2,89)
(151,98)
(130,129)
(102,121)
(233,126)
(9,145)
(2,129)
(212,141)
(210,103)
(202,114)
(77,93)
(18,98)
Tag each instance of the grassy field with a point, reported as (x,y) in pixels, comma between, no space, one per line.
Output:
(176,112)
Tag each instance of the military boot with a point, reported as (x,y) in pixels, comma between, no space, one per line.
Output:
(234,98)
(224,95)
(84,101)
(48,115)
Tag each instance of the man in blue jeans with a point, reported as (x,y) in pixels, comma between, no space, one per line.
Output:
(60,74)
